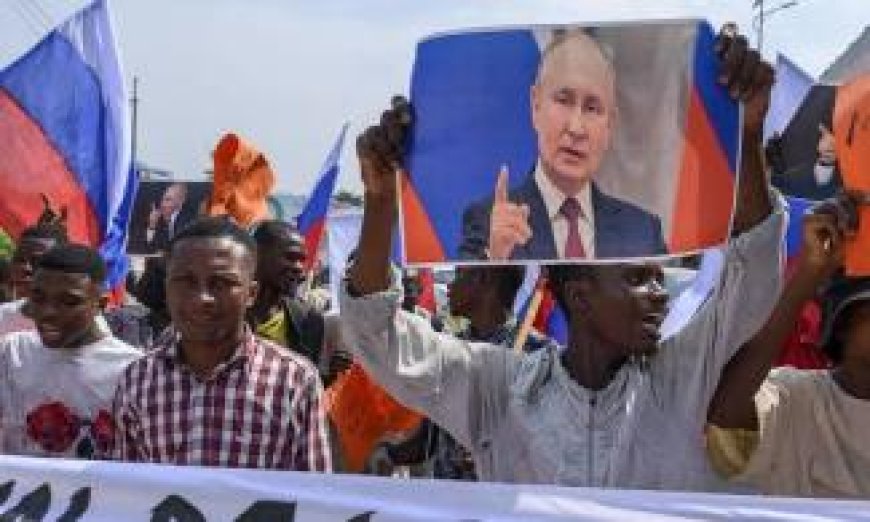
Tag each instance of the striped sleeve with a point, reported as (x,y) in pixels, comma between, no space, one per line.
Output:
(125,444)
(312,448)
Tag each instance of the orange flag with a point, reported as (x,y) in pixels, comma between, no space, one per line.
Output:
(242,181)
(852,135)
(363,414)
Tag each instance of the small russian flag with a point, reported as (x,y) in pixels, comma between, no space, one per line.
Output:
(312,220)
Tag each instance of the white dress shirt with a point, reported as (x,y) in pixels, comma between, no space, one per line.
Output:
(553,199)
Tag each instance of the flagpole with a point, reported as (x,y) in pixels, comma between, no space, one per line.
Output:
(531,313)
(134,124)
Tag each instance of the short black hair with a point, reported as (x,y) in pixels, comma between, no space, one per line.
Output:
(559,275)
(510,279)
(274,232)
(842,323)
(213,227)
(73,258)
(840,301)
(506,279)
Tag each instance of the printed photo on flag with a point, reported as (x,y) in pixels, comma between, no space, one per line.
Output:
(535,144)
(163,208)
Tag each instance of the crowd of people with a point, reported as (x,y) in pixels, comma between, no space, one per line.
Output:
(220,358)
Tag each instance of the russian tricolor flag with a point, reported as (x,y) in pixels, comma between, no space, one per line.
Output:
(550,319)
(65,133)
(312,220)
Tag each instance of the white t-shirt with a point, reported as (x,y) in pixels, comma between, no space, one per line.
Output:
(57,402)
(13,320)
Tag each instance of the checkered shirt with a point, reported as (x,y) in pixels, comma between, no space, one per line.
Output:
(260,409)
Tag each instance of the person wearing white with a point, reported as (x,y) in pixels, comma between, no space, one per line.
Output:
(57,402)
(57,383)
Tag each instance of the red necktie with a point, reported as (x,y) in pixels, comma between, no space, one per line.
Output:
(573,245)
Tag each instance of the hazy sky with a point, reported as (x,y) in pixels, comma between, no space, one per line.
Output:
(287,73)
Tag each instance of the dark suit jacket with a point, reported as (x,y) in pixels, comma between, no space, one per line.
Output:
(621,228)
(305,327)
(160,241)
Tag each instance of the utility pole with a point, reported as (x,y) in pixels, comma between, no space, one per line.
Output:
(763,13)
(134,127)
(760,4)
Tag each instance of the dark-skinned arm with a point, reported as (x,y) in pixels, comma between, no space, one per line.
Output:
(380,150)
(748,79)
(733,404)
(437,375)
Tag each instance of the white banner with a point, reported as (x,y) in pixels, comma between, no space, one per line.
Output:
(67,490)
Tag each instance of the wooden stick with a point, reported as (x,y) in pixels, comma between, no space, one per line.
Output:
(531,313)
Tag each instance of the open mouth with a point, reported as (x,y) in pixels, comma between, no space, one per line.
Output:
(651,324)
(654,319)
(49,331)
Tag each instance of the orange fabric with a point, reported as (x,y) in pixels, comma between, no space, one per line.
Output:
(703,205)
(363,414)
(421,242)
(852,137)
(242,181)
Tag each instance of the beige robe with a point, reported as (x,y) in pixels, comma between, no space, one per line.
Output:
(815,437)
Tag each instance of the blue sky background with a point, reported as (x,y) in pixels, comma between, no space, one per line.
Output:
(288,73)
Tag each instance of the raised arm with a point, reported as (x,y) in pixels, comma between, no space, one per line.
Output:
(749,80)
(733,404)
(380,150)
(449,380)
(750,278)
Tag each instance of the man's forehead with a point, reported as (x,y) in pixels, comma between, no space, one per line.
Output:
(576,55)
(292,241)
(58,280)
(210,247)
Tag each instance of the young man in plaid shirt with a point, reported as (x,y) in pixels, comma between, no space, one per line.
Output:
(211,393)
